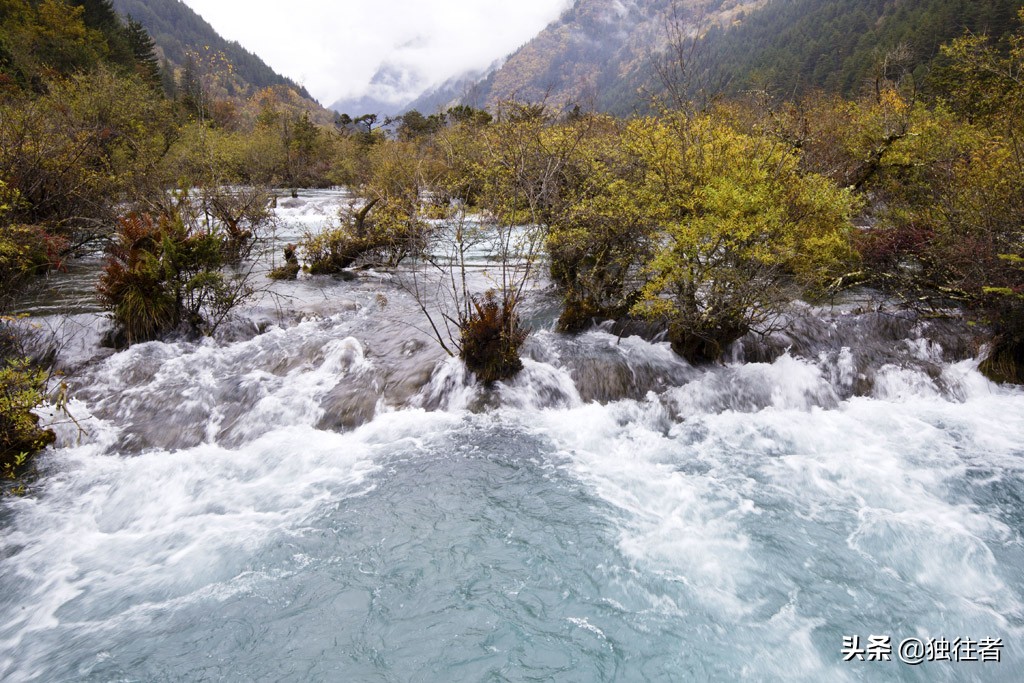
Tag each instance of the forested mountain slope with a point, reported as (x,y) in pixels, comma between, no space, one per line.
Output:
(598,52)
(790,46)
(41,40)
(615,55)
(177,30)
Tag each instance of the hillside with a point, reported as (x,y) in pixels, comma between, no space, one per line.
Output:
(177,29)
(793,45)
(41,41)
(606,54)
(598,52)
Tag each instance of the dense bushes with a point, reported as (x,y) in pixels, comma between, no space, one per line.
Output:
(167,272)
(952,234)
(946,196)
(685,221)
(332,250)
(93,141)
(385,224)
(25,251)
(741,226)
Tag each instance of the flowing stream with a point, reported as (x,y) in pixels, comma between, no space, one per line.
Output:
(321,494)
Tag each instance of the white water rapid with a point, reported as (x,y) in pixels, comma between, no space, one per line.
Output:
(322,496)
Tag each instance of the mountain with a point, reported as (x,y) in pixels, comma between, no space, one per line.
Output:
(386,95)
(616,55)
(790,46)
(178,31)
(599,52)
(461,89)
(367,104)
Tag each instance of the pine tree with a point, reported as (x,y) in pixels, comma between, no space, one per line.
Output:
(144,51)
(191,90)
(100,16)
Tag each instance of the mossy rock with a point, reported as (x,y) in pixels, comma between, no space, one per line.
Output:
(1005,363)
(288,271)
(703,345)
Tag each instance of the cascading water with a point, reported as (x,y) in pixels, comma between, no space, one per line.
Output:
(332,499)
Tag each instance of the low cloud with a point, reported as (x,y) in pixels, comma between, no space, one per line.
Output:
(337,50)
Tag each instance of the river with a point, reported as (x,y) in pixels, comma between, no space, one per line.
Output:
(321,495)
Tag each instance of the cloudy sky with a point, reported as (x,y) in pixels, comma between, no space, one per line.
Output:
(335,47)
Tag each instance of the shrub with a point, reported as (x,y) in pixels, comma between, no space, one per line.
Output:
(25,250)
(162,274)
(290,269)
(93,141)
(491,338)
(22,388)
(385,226)
(331,251)
(379,233)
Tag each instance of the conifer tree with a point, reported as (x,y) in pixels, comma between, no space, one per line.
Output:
(144,51)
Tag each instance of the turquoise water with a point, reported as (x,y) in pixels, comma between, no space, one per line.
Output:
(333,500)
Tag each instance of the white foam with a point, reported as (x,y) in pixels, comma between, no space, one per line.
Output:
(106,534)
(876,471)
(678,524)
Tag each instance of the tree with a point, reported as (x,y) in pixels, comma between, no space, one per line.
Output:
(983,82)
(739,224)
(144,51)
(368,121)
(949,232)
(192,93)
(600,232)
(100,16)
(509,172)
(94,140)
(306,151)
(413,125)
(462,113)
(383,225)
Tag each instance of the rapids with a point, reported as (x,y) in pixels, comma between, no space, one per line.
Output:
(320,494)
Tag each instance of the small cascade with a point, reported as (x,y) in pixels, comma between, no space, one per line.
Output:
(337,373)
(605,367)
(858,344)
(612,512)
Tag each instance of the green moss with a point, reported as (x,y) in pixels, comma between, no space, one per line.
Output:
(289,271)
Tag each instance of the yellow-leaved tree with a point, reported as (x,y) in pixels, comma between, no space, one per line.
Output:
(741,229)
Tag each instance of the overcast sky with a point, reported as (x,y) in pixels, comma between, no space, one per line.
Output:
(334,47)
